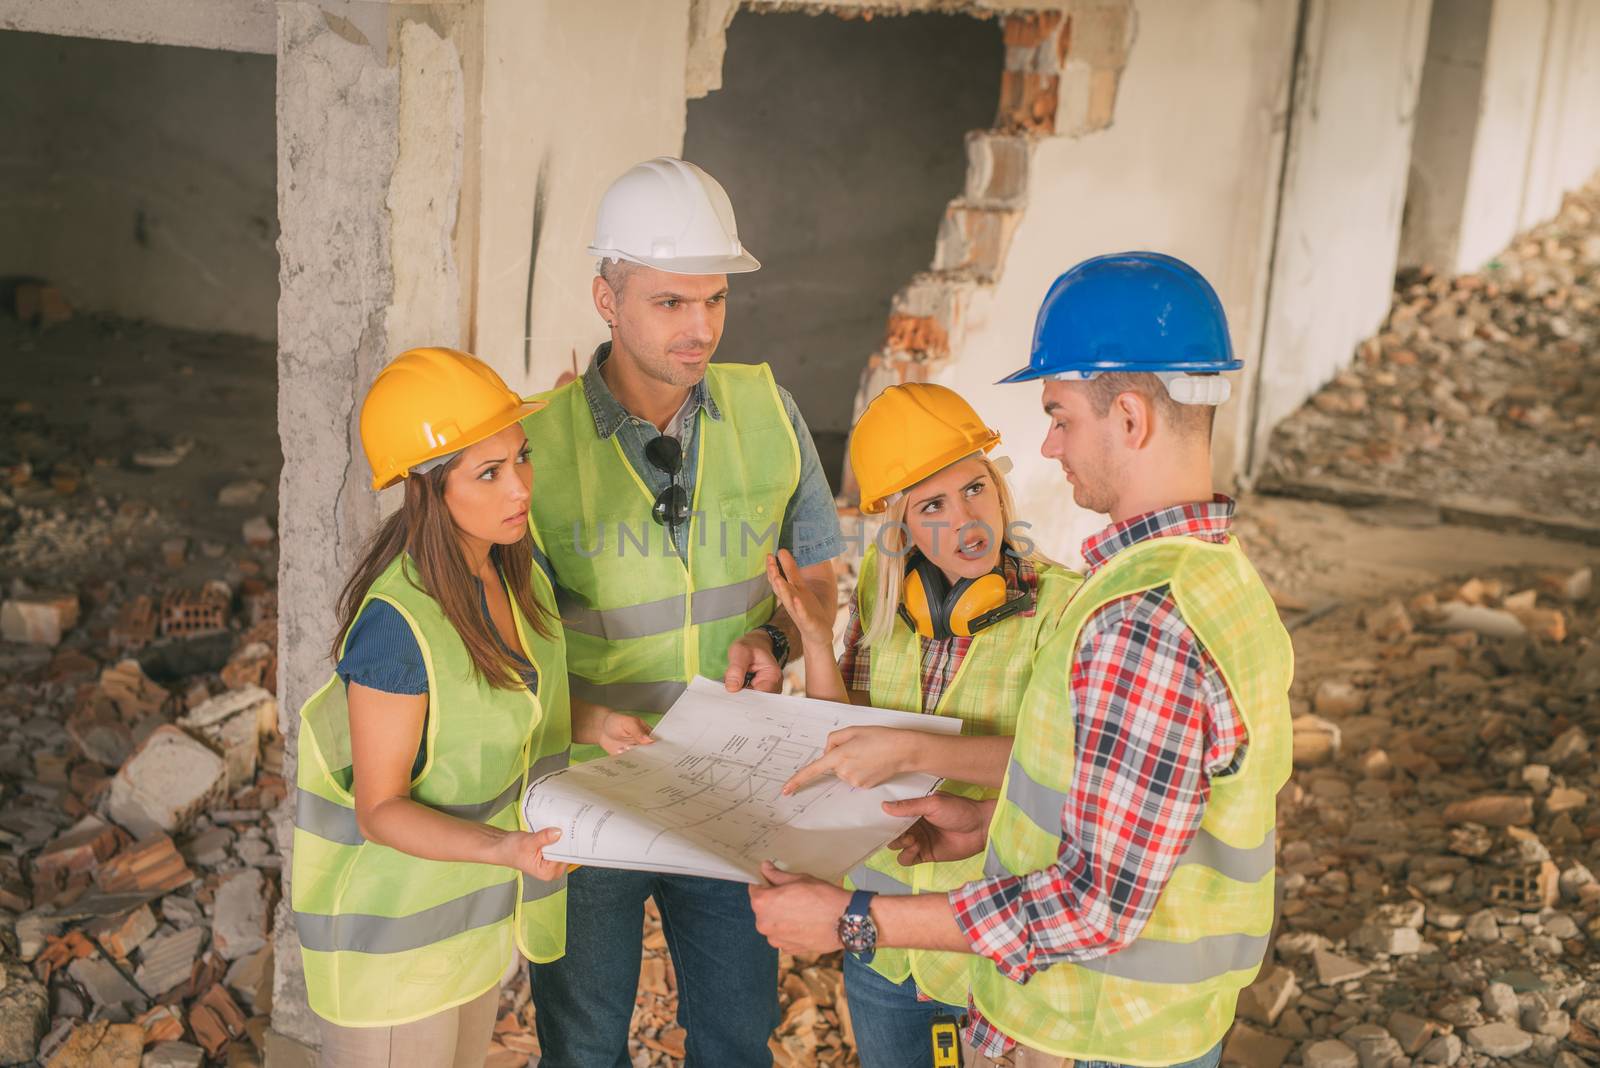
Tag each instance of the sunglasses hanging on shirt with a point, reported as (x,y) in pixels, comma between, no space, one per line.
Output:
(671,507)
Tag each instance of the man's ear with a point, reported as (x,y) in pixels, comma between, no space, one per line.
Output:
(1135,416)
(605,300)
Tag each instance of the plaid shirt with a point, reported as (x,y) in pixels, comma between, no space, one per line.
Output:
(1155,722)
(941,658)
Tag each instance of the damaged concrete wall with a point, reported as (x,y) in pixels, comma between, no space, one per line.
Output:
(1188,165)
(140,179)
(573,94)
(372,124)
(1344,187)
(839,183)
(1446,124)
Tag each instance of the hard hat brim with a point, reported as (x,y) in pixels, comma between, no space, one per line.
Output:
(487,429)
(1027,374)
(743,263)
(1031,373)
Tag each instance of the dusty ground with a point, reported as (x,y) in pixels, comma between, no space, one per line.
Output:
(1436,842)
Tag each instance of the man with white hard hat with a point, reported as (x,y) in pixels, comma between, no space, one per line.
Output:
(662,483)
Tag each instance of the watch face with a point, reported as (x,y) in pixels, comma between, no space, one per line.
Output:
(858,933)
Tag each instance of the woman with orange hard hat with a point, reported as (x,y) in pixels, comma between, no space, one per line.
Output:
(415,883)
(950,603)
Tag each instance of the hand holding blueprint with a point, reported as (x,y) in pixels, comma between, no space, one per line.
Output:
(704,799)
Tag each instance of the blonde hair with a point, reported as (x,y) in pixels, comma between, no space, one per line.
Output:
(893,544)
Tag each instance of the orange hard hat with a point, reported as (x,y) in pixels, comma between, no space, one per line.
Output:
(908,433)
(429,403)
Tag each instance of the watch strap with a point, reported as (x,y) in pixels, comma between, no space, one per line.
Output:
(780,642)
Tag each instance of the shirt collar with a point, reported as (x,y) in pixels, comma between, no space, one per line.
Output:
(609,414)
(1208,521)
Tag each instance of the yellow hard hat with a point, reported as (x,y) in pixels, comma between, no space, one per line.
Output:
(429,403)
(908,433)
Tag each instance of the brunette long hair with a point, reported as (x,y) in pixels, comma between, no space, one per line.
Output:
(422,527)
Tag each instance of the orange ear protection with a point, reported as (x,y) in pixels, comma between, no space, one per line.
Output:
(934,608)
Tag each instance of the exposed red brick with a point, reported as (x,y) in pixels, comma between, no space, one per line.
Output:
(917,334)
(127,686)
(1028,31)
(60,951)
(77,851)
(39,619)
(188,613)
(149,864)
(216,1019)
(135,625)
(161,1024)
(121,935)
(1028,102)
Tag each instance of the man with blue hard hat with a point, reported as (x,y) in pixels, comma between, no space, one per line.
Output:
(1121,890)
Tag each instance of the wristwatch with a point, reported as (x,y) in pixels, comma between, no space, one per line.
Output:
(780,642)
(856,929)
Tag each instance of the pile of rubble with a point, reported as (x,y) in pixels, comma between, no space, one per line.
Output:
(815,1028)
(139,765)
(1480,394)
(1438,838)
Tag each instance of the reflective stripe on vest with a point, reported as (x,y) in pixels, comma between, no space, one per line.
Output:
(1208,932)
(333,821)
(386,937)
(657,617)
(1044,806)
(641,621)
(649,697)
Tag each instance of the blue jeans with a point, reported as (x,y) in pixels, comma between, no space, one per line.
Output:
(1206,1060)
(727,973)
(893,1029)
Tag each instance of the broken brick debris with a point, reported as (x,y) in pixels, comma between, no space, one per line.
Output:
(170,778)
(215,1020)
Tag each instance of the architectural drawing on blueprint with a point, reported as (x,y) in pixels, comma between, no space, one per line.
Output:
(706,798)
(720,792)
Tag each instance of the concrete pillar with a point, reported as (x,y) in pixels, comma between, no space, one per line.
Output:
(1344,184)
(372,129)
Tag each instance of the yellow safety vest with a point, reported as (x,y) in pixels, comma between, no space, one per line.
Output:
(1169,996)
(986,695)
(387,937)
(640,621)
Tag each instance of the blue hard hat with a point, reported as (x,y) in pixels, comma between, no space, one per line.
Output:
(1129,311)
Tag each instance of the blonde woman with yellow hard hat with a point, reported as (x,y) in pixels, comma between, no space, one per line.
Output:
(414,883)
(950,604)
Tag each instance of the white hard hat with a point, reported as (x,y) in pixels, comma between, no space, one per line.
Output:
(669,214)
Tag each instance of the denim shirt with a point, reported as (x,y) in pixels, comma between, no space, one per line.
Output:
(810,521)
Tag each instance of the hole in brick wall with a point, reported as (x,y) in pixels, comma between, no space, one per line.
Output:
(840,142)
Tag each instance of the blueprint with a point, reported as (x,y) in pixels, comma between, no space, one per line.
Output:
(704,798)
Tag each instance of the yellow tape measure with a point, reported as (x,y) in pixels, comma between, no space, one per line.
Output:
(946,1037)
